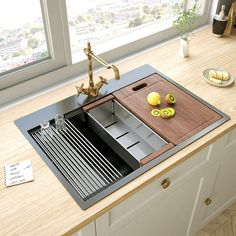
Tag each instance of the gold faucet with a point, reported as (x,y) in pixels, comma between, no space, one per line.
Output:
(93,89)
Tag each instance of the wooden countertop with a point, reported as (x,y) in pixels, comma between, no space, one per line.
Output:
(44,207)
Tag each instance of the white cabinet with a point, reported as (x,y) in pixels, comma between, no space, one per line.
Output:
(157,211)
(208,175)
(181,209)
(223,190)
(165,216)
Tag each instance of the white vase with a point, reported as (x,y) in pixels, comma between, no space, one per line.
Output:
(184,48)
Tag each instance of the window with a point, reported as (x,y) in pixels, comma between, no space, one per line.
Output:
(102,21)
(41,41)
(22,36)
(31,42)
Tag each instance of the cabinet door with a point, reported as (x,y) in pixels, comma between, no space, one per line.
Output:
(220,191)
(224,191)
(165,216)
(208,176)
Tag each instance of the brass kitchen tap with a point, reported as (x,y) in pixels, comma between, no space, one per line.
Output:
(93,89)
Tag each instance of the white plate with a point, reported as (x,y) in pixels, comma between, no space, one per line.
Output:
(223,84)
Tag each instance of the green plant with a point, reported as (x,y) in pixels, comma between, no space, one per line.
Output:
(185,21)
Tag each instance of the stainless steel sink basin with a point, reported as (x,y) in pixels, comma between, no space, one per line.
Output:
(100,150)
(128,136)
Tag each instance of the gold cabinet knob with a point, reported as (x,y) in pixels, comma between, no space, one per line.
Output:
(165,183)
(208,201)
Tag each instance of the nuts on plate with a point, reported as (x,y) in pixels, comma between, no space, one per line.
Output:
(218,75)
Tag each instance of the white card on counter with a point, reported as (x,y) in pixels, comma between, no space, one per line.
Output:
(18,173)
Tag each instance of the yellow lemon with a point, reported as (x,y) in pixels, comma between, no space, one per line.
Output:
(154,98)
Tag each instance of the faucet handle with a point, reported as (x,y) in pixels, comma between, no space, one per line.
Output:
(80,89)
(103,80)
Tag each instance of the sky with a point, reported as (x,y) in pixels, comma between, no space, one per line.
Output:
(18,12)
(14,13)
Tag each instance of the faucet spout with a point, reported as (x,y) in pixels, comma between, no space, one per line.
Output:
(116,71)
(107,65)
(93,89)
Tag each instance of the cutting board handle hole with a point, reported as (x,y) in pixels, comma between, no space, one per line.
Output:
(140,86)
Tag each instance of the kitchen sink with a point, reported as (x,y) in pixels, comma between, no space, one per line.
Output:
(106,142)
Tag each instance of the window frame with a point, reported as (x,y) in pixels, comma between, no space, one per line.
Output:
(33,79)
(52,18)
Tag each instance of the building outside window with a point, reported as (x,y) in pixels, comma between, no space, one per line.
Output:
(22,36)
(31,40)
(100,21)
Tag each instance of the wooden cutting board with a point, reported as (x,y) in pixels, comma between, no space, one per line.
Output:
(191,115)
